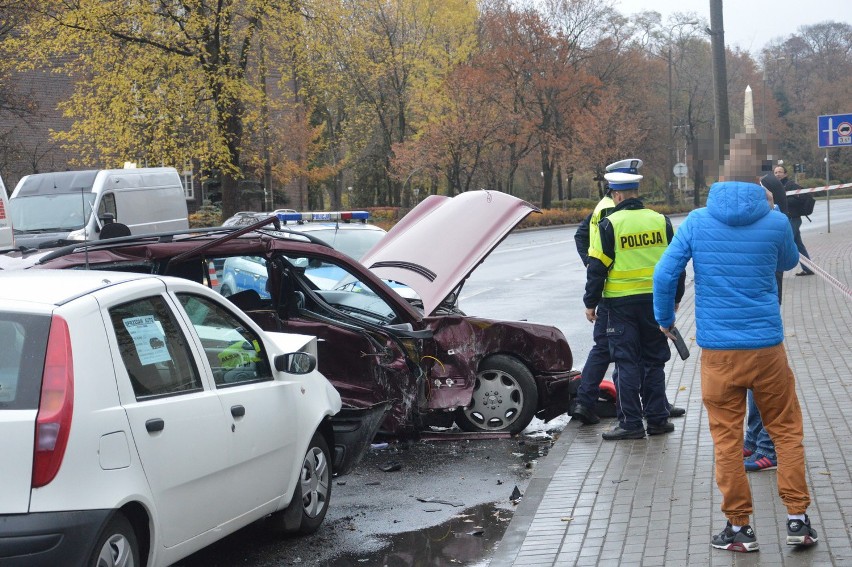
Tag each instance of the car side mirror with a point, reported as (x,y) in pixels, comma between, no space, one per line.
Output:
(296,363)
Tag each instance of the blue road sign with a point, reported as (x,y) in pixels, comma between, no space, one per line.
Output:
(835,130)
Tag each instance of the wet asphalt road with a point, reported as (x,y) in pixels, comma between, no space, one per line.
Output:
(449,503)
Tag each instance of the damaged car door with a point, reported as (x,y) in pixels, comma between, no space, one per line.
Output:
(369,351)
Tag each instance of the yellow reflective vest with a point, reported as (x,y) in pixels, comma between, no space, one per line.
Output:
(640,240)
(594,230)
(240,353)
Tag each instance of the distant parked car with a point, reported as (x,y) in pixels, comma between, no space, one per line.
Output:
(143,418)
(433,362)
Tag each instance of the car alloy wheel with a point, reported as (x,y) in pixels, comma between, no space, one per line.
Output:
(504,397)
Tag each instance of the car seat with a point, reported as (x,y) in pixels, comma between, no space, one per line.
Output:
(247,300)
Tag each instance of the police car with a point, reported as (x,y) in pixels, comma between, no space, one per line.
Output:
(345,231)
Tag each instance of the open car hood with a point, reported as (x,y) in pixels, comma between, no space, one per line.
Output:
(437,245)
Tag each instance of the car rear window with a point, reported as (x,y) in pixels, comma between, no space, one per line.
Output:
(23,340)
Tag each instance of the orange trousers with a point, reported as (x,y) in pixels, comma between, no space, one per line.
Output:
(725,377)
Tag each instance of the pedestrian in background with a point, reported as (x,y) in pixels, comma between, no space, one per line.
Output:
(758,448)
(599,359)
(795,213)
(619,278)
(779,198)
(736,244)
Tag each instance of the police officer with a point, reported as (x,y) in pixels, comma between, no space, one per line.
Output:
(598,360)
(620,278)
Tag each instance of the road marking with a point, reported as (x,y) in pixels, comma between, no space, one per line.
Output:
(525,277)
(533,247)
(475,293)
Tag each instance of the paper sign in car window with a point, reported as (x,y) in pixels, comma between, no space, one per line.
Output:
(149,339)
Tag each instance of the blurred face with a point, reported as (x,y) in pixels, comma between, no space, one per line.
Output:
(779,173)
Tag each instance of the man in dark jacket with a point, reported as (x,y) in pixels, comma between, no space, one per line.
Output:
(795,217)
(599,359)
(621,263)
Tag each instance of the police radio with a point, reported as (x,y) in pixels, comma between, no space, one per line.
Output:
(679,343)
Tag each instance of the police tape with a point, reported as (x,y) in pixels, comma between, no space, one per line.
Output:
(826,276)
(822,188)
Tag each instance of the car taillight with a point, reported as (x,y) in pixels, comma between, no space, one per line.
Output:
(56,406)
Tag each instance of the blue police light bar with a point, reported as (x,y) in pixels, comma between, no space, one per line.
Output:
(345,216)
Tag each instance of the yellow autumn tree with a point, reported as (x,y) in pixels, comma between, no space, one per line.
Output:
(161,82)
(385,64)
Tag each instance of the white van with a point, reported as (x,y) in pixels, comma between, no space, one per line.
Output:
(7,235)
(48,209)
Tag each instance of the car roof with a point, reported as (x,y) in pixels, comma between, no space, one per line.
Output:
(152,252)
(51,287)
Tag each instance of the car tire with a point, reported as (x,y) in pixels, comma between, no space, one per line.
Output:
(312,495)
(117,546)
(505,397)
(225,290)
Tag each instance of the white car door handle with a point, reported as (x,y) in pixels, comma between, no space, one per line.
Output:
(238,411)
(154,425)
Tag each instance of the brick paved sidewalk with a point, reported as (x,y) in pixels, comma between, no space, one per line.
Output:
(655,502)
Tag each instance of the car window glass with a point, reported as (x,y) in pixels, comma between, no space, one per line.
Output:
(235,352)
(354,242)
(343,291)
(24,341)
(154,349)
(107,206)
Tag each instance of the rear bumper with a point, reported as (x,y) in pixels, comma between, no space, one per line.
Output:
(49,538)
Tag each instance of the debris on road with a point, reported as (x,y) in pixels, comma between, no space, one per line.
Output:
(430,500)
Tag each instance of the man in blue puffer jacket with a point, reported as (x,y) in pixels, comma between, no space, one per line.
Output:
(736,245)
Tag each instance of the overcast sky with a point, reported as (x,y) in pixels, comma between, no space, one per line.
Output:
(750,24)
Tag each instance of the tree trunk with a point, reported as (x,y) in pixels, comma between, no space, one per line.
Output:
(569,184)
(559,192)
(547,178)
(233,127)
(697,175)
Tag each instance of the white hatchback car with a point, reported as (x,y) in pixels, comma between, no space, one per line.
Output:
(143,418)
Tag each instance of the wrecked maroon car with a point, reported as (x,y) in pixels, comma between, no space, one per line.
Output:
(377,343)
